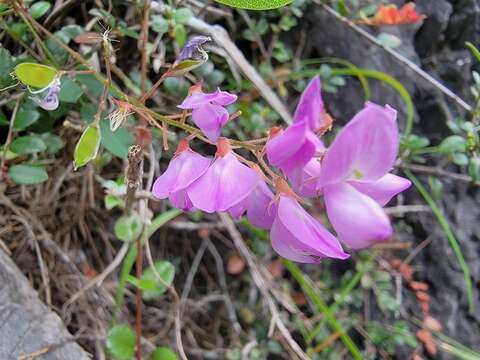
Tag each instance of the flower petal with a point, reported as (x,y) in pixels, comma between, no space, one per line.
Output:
(200,98)
(183,170)
(365,149)
(358,220)
(384,189)
(298,236)
(304,180)
(310,107)
(226,183)
(261,208)
(210,119)
(181,200)
(223,98)
(293,148)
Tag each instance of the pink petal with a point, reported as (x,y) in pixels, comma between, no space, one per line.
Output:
(226,183)
(297,236)
(293,148)
(384,189)
(198,99)
(365,149)
(181,200)
(223,98)
(310,107)
(183,170)
(304,180)
(261,208)
(236,211)
(210,119)
(358,220)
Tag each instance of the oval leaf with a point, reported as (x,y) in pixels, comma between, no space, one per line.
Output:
(36,75)
(27,174)
(255,4)
(39,9)
(166,271)
(121,342)
(27,145)
(163,353)
(87,146)
(128,227)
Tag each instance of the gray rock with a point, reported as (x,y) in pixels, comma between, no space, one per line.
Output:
(26,324)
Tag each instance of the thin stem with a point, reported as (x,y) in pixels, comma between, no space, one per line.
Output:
(154,88)
(146,15)
(9,136)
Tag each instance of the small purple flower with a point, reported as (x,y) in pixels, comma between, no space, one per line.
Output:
(208,111)
(304,180)
(192,46)
(297,236)
(310,107)
(355,179)
(226,183)
(293,148)
(48,98)
(184,168)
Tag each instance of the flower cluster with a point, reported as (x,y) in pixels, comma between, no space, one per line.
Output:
(352,175)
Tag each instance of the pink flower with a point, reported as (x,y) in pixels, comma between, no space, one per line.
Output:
(310,107)
(296,235)
(184,168)
(304,180)
(293,148)
(355,179)
(226,183)
(208,111)
(259,206)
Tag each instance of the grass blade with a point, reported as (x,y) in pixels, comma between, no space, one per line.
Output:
(449,233)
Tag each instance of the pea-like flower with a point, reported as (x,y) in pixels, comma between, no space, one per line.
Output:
(298,236)
(355,177)
(310,107)
(226,183)
(208,110)
(293,148)
(47,99)
(184,169)
(192,56)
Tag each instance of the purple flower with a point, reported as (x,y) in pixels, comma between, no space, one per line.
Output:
(48,101)
(293,148)
(259,206)
(226,183)
(192,46)
(185,167)
(297,236)
(304,180)
(355,179)
(310,107)
(208,111)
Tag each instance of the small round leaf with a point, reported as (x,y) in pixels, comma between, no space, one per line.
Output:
(121,342)
(27,174)
(87,146)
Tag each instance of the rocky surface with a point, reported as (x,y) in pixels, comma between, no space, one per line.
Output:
(437,46)
(26,324)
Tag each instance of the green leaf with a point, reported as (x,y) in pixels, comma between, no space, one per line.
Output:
(180,35)
(39,9)
(161,220)
(27,174)
(36,75)
(70,92)
(128,227)
(118,141)
(163,353)
(6,67)
(53,142)
(29,144)
(3,119)
(341,8)
(121,342)
(25,117)
(87,147)
(452,144)
(474,50)
(255,4)
(182,15)
(166,271)
(460,159)
(159,24)
(474,168)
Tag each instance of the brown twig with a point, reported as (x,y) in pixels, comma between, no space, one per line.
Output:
(437,171)
(133,175)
